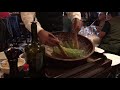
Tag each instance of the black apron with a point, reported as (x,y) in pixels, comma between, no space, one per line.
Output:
(51,21)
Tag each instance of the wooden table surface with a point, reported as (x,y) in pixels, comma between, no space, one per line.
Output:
(99,68)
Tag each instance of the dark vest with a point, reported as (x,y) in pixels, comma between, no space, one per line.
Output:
(51,21)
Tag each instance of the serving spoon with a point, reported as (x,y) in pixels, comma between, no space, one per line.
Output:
(75,39)
(60,47)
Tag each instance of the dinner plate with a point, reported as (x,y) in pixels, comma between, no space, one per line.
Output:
(99,50)
(115,58)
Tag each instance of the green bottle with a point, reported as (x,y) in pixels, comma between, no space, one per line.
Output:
(35,54)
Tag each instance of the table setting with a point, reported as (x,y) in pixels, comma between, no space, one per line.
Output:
(95,64)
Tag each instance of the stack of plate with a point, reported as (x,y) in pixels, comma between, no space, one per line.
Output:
(115,58)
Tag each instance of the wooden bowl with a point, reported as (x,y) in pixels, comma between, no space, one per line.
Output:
(84,43)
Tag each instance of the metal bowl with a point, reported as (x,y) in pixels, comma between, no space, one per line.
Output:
(84,43)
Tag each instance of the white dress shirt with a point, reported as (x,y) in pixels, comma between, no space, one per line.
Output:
(27,18)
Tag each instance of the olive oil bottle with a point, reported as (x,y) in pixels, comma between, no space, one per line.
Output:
(35,54)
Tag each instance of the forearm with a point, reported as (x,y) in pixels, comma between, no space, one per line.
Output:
(101,34)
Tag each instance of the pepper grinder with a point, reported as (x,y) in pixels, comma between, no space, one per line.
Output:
(12,55)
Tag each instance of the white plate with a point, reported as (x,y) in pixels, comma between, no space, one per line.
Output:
(99,50)
(115,58)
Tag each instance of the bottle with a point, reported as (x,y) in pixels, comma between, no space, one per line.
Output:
(35,53)
(12,55)
(26,71)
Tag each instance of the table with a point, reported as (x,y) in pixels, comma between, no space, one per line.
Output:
(99,67)
(96,66)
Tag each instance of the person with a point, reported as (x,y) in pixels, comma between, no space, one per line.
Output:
(48,22)
(108,16)
(4,32)
(111,43)
(92,16)
(102,25)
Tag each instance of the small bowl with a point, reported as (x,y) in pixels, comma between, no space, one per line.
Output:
(5,68)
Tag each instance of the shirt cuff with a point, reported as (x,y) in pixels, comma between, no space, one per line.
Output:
(76,16)
(39,28)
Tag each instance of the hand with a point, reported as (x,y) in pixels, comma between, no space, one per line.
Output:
(48,38)
(77,24)
(98,28)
